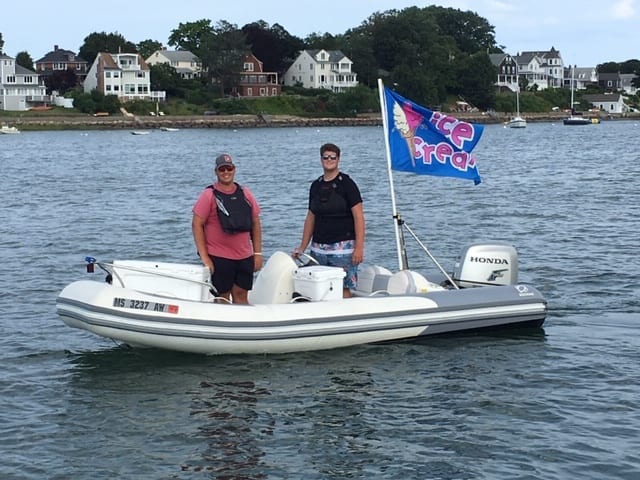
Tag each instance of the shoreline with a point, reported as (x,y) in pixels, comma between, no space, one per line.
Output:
(83,122)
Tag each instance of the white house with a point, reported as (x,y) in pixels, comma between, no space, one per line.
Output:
(542,68)
(608,102)
(123,74)
(507,68)
(582,76)
(329,69)
(186,64)
(20,88)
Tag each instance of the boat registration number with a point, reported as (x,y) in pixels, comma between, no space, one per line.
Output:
(144,305)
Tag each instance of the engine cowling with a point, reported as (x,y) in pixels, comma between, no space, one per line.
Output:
(487,264)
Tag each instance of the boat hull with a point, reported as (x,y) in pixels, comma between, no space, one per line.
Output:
(144,320)
(517,122)
(577,121)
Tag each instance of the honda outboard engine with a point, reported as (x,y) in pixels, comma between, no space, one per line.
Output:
(487,264)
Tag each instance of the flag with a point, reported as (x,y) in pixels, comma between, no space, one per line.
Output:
(430,143)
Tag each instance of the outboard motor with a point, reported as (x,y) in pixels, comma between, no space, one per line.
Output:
(483,264)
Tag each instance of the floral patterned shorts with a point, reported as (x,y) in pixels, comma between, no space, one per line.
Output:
(337,255)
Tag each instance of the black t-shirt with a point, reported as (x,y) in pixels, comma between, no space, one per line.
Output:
(331,203)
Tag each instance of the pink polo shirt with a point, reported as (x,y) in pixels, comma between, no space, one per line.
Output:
(234,246)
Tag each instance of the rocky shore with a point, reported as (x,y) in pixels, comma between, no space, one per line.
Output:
(83,122)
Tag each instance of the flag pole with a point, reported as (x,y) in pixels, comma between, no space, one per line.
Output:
(397,220)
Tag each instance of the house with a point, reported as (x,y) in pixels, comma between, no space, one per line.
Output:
(254,81)
(186,64)
(610,82)
(20,88)
(330,69)
(507,71)
(123,74)
(607,102)
(542,68)
(582,76)
(627,83)
(60,60)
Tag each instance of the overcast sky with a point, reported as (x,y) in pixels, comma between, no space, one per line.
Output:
(586,32)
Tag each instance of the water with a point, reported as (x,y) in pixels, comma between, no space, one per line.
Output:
(556,403)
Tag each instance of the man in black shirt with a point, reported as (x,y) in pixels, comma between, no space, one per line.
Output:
(335,220)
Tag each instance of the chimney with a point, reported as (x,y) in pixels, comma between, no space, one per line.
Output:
(55,48)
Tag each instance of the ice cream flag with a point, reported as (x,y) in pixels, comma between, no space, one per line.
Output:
(430,143)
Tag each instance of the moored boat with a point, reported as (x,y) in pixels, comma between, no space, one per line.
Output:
(7,130)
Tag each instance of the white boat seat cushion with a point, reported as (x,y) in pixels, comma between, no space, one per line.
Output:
(372,278)
(407,281)
(274,283)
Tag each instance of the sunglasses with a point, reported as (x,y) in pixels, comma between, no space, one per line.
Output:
(226,168)
(329,157)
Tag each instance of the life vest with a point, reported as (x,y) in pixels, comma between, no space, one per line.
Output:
(234,210)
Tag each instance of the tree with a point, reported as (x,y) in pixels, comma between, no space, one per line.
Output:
(189,36)
(24,60)
(221,53)
(104,42)
(477,76)
(61,81)
(148,47)
(324,41)
(273,46)
(471,32)
(164,77)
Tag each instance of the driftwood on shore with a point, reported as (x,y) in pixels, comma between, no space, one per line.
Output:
(78,122)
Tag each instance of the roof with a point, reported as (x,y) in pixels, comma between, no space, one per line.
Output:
(20,70)
(178,55)
(603,97)
(334,55)
(61,55)
(498,58)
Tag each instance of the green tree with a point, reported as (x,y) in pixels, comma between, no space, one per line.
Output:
(61,81)
(147,47)
(221,53)
(471,32)
(273,46)
(24,60)
(477,76)
(326,41)
(189,36)
(95,43)
(165,77)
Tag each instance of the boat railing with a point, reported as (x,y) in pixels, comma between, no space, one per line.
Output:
(112,270)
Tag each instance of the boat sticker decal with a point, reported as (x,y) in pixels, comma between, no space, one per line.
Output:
(144,305)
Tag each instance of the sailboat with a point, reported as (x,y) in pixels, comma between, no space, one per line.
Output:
(574,118)
(517,121)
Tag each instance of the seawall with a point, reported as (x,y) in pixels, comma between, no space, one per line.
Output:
(81,122)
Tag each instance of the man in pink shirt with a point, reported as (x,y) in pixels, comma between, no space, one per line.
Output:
(227,232)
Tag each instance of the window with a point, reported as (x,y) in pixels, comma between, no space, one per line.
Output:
(248,67)
(250,92)
(263,92)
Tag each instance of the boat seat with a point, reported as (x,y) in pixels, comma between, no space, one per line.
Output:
(407,281)
(274,283)
(372,279)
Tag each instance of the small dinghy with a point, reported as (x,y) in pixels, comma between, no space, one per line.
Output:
(298,308)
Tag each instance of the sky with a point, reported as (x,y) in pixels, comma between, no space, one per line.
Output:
(585,32)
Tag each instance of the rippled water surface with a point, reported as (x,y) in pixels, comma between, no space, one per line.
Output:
(556,403)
